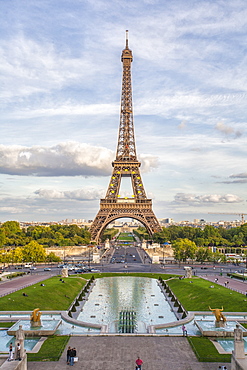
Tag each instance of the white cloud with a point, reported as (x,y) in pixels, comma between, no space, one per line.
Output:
(11,210)
(148,162)
(79,194)
(64,159)
(205,199)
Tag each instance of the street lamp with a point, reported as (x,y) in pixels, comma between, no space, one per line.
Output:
(163,254)
(89,257)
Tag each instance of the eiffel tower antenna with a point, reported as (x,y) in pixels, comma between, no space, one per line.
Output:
(127,39)
(126,164)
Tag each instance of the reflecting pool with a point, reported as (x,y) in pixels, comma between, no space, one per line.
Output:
(112,295)
(45,325)
(228,344)
(6,339)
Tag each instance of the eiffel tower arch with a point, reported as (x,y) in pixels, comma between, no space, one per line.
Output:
(113,206)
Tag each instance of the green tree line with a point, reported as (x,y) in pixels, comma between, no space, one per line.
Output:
(195,243)
(11,234)
(207,236)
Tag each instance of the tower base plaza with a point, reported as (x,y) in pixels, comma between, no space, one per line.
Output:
(115,352)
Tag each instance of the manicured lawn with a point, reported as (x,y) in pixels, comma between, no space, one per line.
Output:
(138,274)
(198,296)
(125,237)
(205,351)
(53,296)
(6,324)
(51,349)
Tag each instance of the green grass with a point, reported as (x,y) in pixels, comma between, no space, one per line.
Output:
(137,274)
(51,349)
(5,324)
(125,237)
(198,296)
(52,296)
(205,351)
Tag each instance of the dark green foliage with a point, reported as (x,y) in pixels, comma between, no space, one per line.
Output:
(108,234)
(198,296)
(53,296)
(205,351)
(209,235)
(60,235)
(51,349)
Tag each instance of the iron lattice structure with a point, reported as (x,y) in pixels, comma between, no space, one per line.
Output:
(126,164)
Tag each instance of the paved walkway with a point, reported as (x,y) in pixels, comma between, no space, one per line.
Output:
(120,353)
(12,285)
(234,284)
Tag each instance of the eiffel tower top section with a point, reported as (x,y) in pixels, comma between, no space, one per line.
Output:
(114,205)
(126,150)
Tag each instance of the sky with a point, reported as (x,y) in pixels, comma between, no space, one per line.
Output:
(61,76)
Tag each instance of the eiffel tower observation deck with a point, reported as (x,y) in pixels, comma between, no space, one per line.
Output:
(126,164)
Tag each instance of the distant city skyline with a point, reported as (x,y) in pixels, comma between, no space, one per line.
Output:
(60,101)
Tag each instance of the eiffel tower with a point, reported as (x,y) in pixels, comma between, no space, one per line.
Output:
(126,164)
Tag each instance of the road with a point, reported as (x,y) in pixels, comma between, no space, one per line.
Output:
(135,259)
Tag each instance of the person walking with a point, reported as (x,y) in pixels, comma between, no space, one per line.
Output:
(68,355)
(184,331)
(72,356)
(10,358)
(18,352)
(139,363)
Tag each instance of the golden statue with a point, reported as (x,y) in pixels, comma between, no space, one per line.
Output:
(35,317)
(218,314)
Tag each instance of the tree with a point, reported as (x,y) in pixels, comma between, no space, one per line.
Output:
(17,254)
(51,257)
(11,227)
(33,251)
(2,237)
(184,249)
(203,254)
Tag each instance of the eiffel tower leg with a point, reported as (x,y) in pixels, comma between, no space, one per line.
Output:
(109,212)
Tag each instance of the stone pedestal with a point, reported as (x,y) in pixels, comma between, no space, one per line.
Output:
(64,272)
(35,324)
(238,343)
(188,272)
(19,343)
(155,259)
(96,258)
(219,324)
